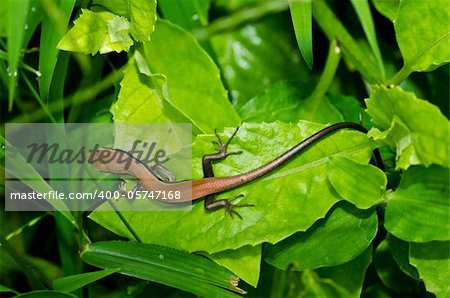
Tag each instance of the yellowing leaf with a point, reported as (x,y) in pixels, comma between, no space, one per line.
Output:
(415,128)
(94,32)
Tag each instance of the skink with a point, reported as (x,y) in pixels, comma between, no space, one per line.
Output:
(209,186)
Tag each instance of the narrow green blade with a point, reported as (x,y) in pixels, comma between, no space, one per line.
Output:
(302,18)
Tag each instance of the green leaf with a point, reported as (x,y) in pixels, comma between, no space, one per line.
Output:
(4,19)
(350,108)
(168,266)
(433,263)
(257,55)
(16,22)
(17,166)
(343,174)
(349,275)
(186,14)
(134,98)
(388,8)
(142,15)
(362,9)
(302,18)
(418,210)
(75,282)
(287,101)
(46,294)
(245,262)
(323,244)
(193,80)
(94,32)
(4,289)
(423,33)
(54,24)
(400,252)
(389,272)
(288,200)
(416,129)
(119,7)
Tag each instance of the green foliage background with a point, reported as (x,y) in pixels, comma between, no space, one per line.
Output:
(326,224)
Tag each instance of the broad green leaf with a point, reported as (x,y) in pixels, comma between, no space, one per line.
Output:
(302,19)
(288,200)
(245,262)
(16,23)
(287,101)
(432,260)
(323,244)
(137,102)
(389,272)
(193,80)
(419,209)
(46,294)
(349,275)
(400,252)
(168,266)
(186,14)
(142,15)
(343,174)
(416,129)
(350,108)
(281,101)
(362,9)
(256,56)
(75,282)
(388,8)
(94,32)
(54,24)
(423,33)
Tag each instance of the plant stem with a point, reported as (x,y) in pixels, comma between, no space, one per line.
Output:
(399,77)
(334,56)
(125,222)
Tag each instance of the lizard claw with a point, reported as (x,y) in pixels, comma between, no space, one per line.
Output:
(229,208)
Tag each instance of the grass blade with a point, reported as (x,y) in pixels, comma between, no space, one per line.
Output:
(165,265)
(75,282)
(54,25)
(16,23)
(302,18)
(365,17)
